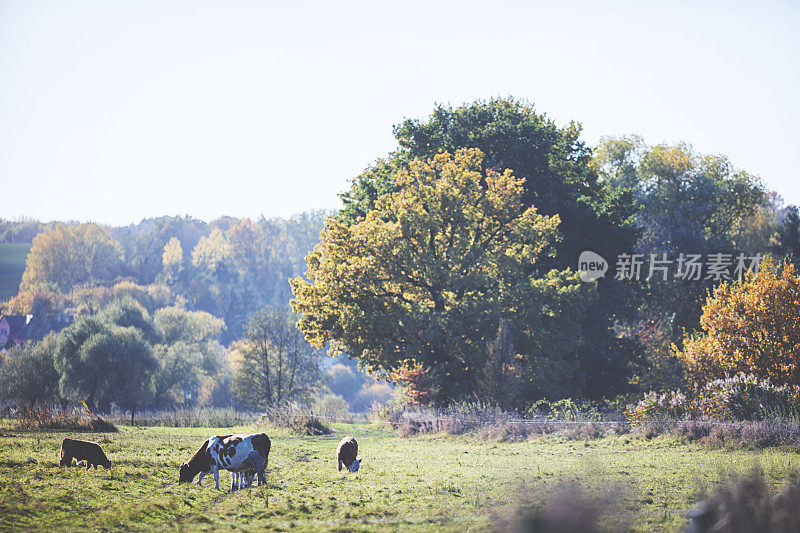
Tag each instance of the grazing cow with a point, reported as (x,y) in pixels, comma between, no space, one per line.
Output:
(81,450)
(198,463)
(229,452)
(346,454)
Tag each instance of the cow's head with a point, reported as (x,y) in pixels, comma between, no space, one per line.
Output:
(185,474)
(106,464)
(355,465)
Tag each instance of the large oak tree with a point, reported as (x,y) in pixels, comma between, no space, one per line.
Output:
(427,274)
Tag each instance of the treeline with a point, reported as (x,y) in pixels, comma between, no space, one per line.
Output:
(450,269)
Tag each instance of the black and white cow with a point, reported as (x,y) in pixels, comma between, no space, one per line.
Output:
(229,452)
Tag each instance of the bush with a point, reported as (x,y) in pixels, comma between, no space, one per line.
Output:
(572,508)
(207,417)
(746,397)
(43,418)
(742,397)
(492,423)
(566,409)
(750,435)
(655,406)
(291,416)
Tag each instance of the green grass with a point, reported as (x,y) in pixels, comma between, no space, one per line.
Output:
(12,265)
(418,484)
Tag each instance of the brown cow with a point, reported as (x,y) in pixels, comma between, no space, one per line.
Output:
(346,454)
(83,450)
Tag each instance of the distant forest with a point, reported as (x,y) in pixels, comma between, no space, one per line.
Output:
(228,267)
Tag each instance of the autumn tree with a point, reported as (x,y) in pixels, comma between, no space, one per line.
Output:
(750,326)
(428,272)
(172,261)
(70,255)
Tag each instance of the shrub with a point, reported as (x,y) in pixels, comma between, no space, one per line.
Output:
(746,397)
(291,416)
(566,409)
(208,417)
(492,423)
(572,508)
(654,406)
(748,434)
(43,418)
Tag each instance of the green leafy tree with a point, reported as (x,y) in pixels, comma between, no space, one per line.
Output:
(101,363)
(133,366)
(28,375)
(689,203)
(556,164)
(190,355)
(274,363)
(789,234)
(560,179)
(430,270)
(127,312)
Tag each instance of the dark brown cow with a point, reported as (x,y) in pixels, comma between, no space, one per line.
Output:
(83,450)
(346,454)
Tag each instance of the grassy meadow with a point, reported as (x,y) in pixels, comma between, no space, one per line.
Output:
(418,484)
(12,265)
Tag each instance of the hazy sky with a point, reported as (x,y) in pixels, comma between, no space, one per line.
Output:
(115,111)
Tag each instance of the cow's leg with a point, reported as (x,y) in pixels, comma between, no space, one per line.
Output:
(234,481)
(262,477)
(88,464)
(215,471)
(200,478)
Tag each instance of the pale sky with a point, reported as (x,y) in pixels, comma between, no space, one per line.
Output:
(114,111)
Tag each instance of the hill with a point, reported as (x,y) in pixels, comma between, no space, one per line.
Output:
(12,265)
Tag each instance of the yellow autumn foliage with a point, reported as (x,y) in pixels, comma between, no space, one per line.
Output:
(751,327)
